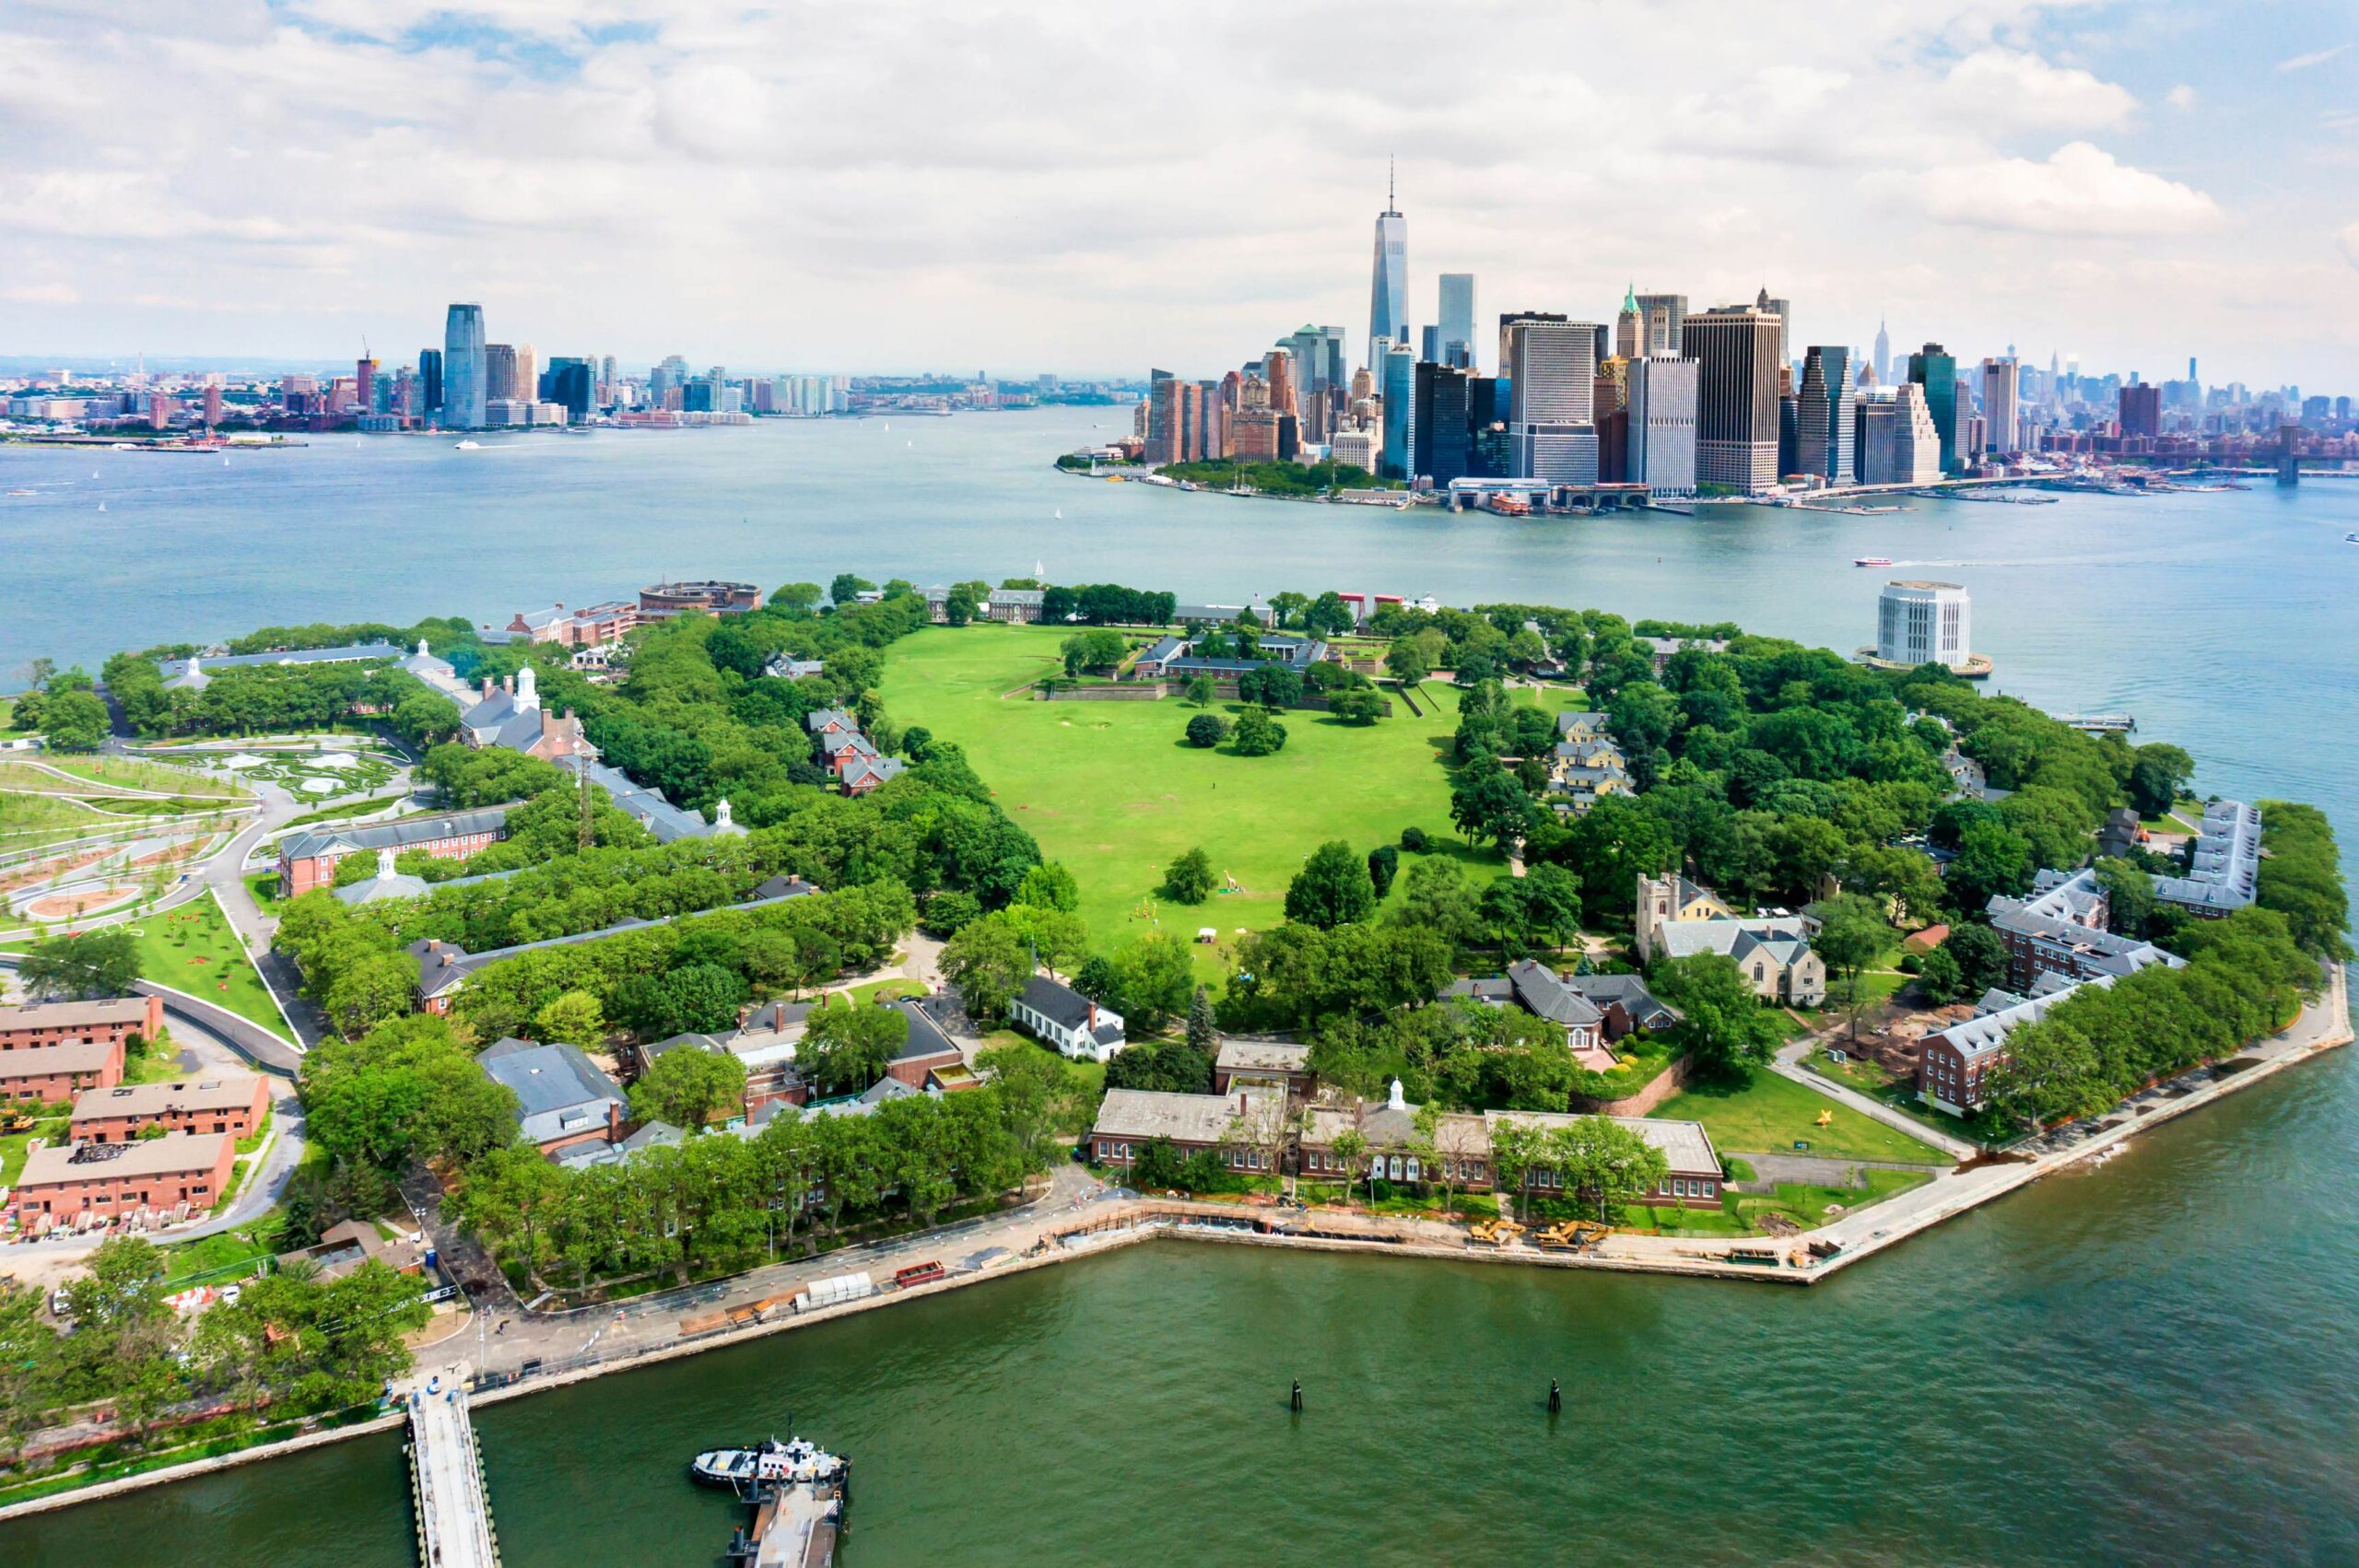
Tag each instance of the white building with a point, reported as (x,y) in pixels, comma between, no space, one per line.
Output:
(1999,415)
(1552,420)
(1062,1017)
(1662,424)
(1923,623)
(1357,447)
(1899,444)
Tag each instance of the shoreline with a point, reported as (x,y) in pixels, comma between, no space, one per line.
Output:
(1130,1222)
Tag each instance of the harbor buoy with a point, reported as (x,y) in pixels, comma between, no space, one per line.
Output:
(1294,1400)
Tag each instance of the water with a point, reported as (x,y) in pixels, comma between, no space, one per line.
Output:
(2143,1361)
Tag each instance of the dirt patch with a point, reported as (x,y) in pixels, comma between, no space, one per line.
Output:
(1990,1158)
(62,905)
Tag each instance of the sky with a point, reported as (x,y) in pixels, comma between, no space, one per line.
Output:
(1090,189)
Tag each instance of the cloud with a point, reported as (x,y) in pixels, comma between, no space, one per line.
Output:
(2080,189)
(2303,61)
(2026,90)
(2350,238)
(60,293)
(2181,97)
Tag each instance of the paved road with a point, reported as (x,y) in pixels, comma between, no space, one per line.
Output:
(1787,1064)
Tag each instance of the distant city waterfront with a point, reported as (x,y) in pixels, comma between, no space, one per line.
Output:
(2029,1383)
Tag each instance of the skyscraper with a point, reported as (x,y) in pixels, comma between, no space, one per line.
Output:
(1823,440)
(1456,319)
(1998,413)
(1784,310)
(1631,327)
(1440,436)
(1736,350)
(1399,382)
(1662,424)
(1388,301)
(1883,361)
(463,370)
(499,372)
(1935,368)
(364,384)
(2141,410)
(574,383)
(430,380)
(528,373)
(1551,365)
(1665,315)
(1897,443)
(1162,418)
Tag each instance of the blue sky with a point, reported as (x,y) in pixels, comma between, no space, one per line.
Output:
(1091,188)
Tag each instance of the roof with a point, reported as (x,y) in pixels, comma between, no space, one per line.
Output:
(172,1155)
(377,888)
(654,1135)
(1057,1002)
(1646,1010)
(2224,868)
(345,654)
(1780,937)
(820,718)
(1568,722)
(1183,1118)
(927,1037)
(644,805)
(1016,596)
(67,1056)
(785,887)
(1685,1144)
(230,1091)
(1237,1055)
(879,769)
(559,1092)
(97,1012)
(1541,992)
(441,964)
(398,833)
(695,1041)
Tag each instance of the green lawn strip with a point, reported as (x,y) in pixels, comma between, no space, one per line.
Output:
(264,887)
(226,1252)
(129,773)
(1766,1113)
(885,990)
(1110,790)
(169,945)
(254,1140)
(1986,1128)
(15,1146)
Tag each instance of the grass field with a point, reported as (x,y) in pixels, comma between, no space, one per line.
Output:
(1768,1113)
(1110,790)
(17,1145)
(130,773)
(192,948)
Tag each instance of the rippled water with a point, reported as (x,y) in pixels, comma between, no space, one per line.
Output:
(2149,1361)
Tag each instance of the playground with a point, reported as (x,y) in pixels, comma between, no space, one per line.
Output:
(1111,790)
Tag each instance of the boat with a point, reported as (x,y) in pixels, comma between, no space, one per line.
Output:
(1871,561)
(769,1462)
(470,446)
(2350,539)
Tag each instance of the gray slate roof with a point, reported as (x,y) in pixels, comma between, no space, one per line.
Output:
(559,1093)
(347,654)
(400,833)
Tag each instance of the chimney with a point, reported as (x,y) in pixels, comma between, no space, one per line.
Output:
(613,1122)
(486,688)
(1093,1017)
(508,682)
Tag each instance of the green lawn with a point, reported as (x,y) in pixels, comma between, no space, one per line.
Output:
(130,773)
(1900,1093)
(192,948)
(1768,1113)
(1110,790)
(225,1253)
(17,1145)
(886,991)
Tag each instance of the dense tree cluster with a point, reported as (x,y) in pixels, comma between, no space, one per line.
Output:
(1106,604)
(269,698)
(2301,877)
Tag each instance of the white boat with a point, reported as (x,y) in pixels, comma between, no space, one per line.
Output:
(2350,539)
(1872,560)
(797,1460)
(470,446)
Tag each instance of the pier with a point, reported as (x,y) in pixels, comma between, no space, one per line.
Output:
(446,1478)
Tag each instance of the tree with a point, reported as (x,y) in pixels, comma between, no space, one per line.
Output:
(693,997)
(1350,1148)
(1094,649)
(1189,878)
(2158,777)
(1487,804)
(1201,690)
(1517,1148)
(1938,979)
(988,963)
(1207,730)
(688,1087)
(1405,661)
(1437,896)
(574,1017)
(949,912)
(1154,974)
(1204,1035)
(375,990)
(74,722)
(1328,616)
(1599,1157)
(1722,1022)
(1852,935)
(847,588)
(1026,1084)
(1357,704)
(1258,734)
(795,598)
(2130,895)
(80,967)
(1980,954)
(1052,936)
(1992,861)
(847,1045)
(1049,887)
(1383,862)
(1333,888)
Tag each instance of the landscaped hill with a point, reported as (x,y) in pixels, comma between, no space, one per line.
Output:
(1110,790)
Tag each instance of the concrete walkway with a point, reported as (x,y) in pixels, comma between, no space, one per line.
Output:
(1787,1064)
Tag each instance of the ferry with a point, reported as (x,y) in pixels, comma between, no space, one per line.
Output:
(1872,560)
(798,1460)
(470,446)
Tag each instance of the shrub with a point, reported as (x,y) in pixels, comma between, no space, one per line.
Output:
(1258,734)
(1413,840)
(1207,729)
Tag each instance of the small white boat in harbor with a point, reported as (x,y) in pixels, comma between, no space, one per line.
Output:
(469,445)
(796,1460)
(1872,560)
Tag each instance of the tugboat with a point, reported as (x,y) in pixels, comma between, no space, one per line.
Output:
(798,1460)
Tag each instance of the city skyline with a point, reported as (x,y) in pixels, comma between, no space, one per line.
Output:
(2071,178)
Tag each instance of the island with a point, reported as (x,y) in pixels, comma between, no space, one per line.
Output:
(699,960)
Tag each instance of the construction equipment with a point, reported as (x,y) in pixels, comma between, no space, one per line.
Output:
(1573,1234)
(1497,1232)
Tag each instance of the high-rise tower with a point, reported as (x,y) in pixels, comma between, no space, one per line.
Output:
(463,368)
(1456,319)
(1388,301)
(1883,360)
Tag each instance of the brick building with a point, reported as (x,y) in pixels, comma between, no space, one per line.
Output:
(108,1019)
(232,1103)
(50,1075)
(108,1181)
(308,859)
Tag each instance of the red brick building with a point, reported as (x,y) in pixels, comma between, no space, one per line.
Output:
(54,1022)
(308,859)
(50,1075)
(233,1102)
(111,1179)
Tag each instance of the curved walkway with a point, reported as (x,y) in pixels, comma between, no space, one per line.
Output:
(1787,1064)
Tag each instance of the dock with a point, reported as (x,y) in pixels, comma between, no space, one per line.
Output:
(793,1527)
(446,1480)
(2099,723)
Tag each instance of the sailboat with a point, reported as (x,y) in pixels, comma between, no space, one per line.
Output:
(1061,514)
(102,506)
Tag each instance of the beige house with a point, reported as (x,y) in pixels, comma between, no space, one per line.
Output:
(1666,899)
(1678,918)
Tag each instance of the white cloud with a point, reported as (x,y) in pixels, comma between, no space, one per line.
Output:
(2080,189)
(2024,89)
(2303,61)
(40,294)
(2351,243)
(2181,97)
